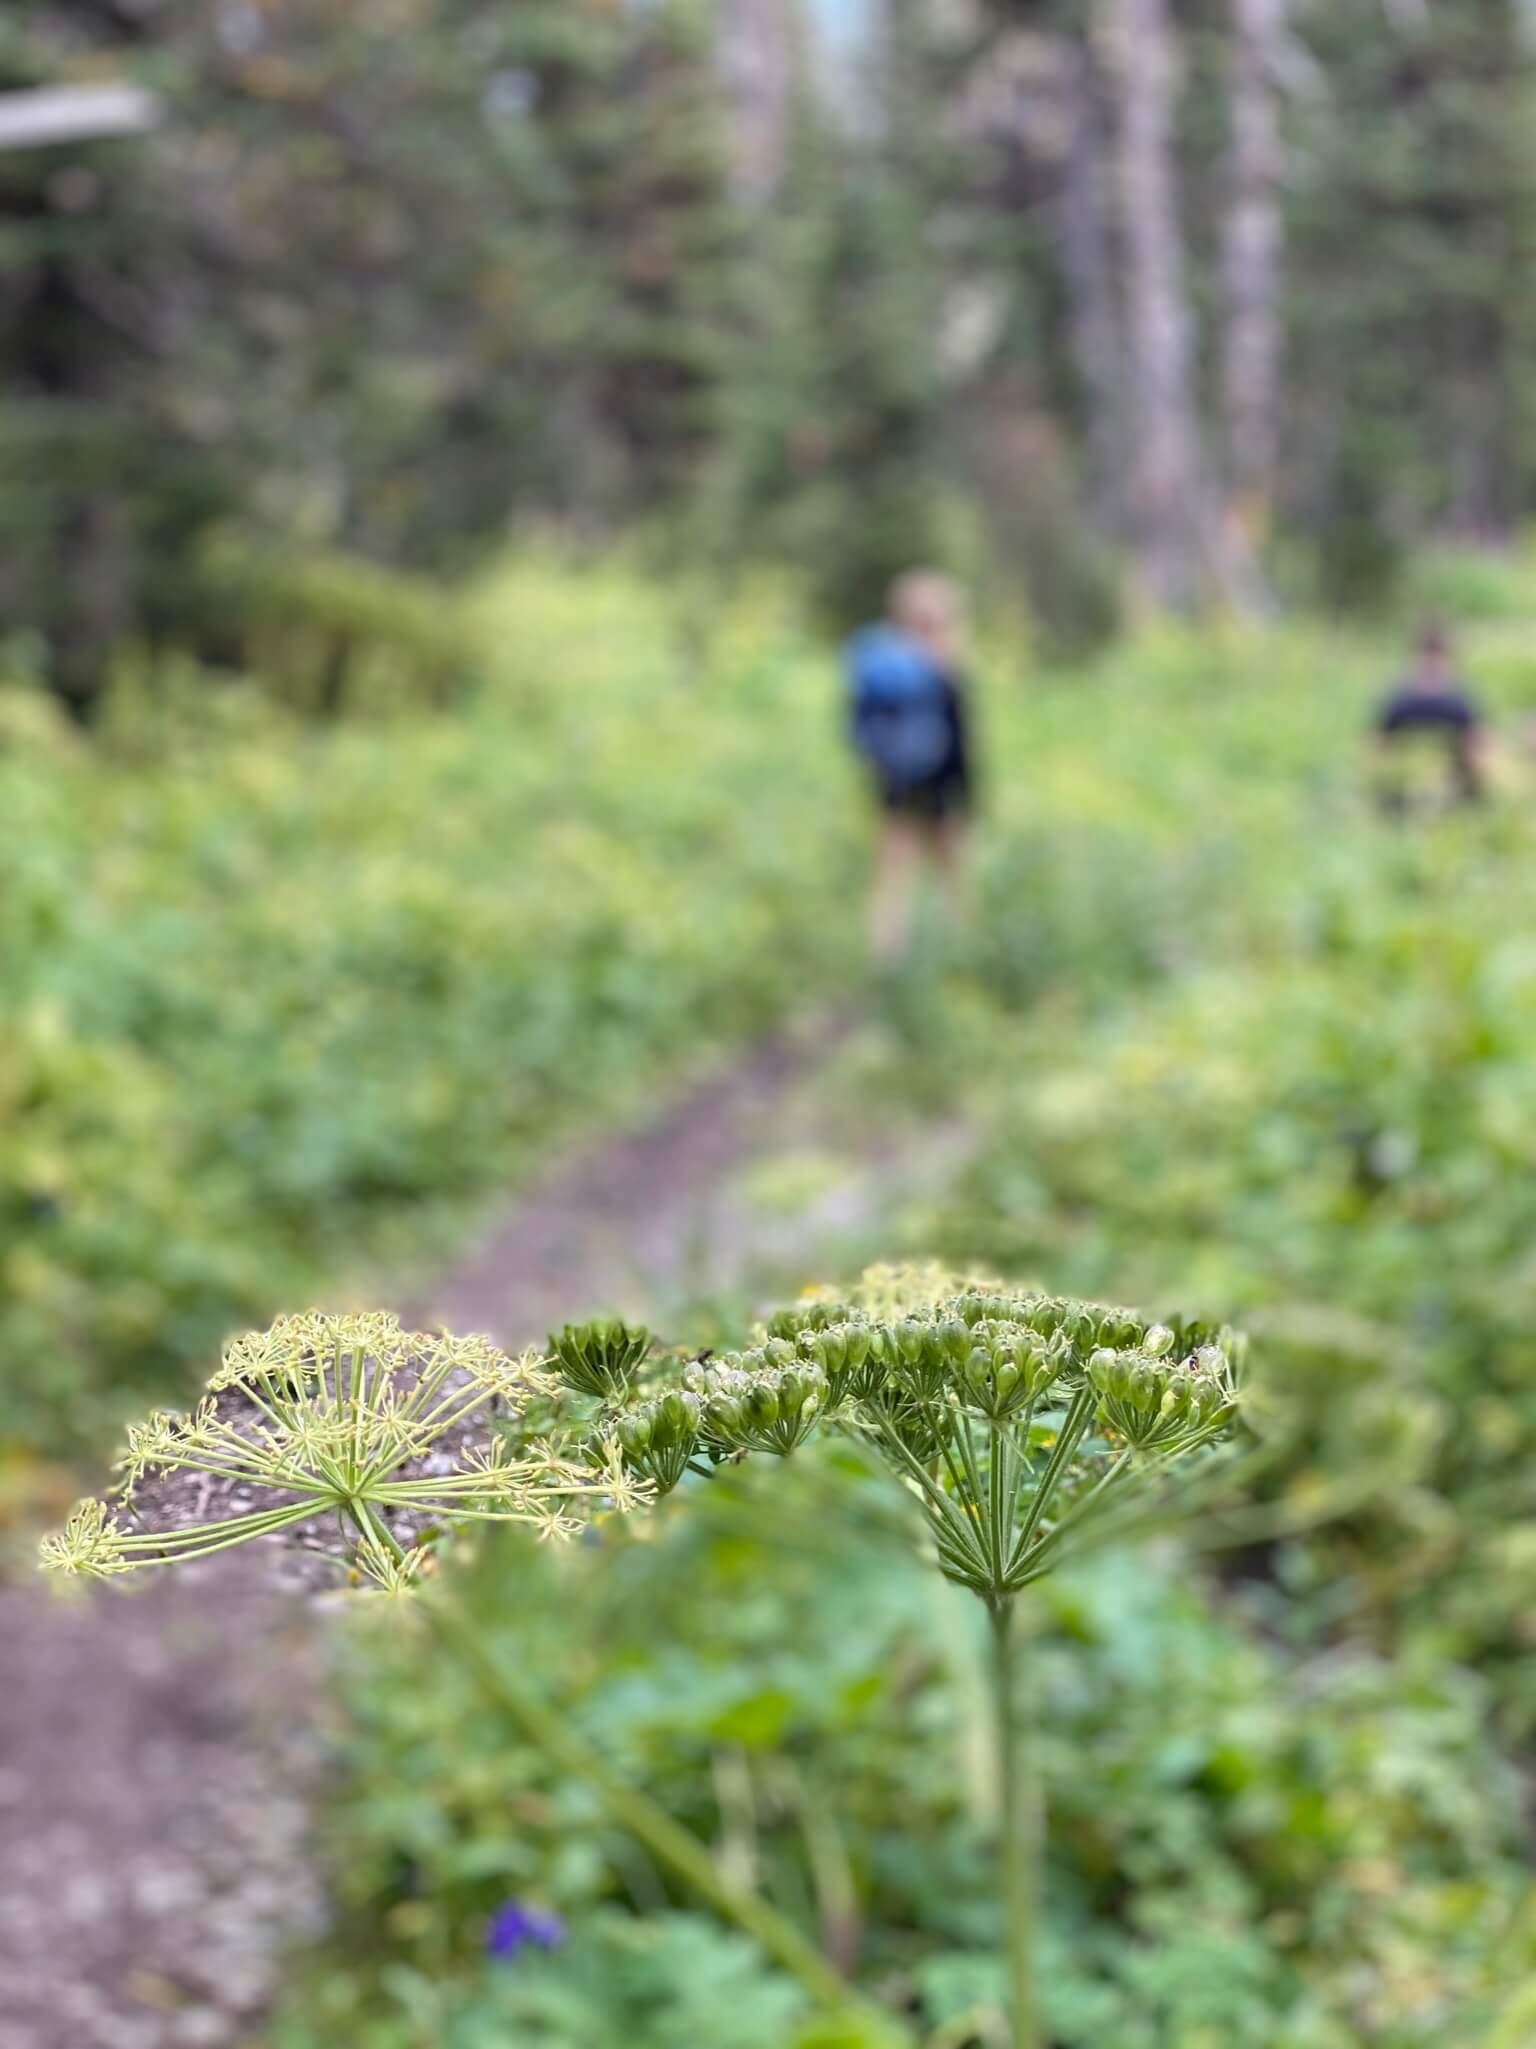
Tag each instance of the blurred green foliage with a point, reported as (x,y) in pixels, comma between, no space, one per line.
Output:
(1224,1037)
(333,633)
(272,988)
(1315,1113)
(384,276)
(1482,584)
(288,992)
(1251,1841)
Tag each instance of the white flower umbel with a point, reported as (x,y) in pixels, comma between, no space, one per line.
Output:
(325,1414)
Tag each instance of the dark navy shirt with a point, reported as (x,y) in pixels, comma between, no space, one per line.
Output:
(1436,712)
(1416,707)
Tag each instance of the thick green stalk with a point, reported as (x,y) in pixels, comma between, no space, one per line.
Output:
(1019,1829)
(668,1842)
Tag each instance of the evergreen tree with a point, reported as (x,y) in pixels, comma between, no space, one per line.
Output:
(392,274)
(1412,235)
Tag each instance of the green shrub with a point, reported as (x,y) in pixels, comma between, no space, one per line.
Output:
(332,633)
(1333,1136)
(281,997)
(1467,586)
(1303,1848)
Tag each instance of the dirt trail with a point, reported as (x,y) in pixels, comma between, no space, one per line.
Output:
(156,1752)
(677,1209)
(155,1759)
(625,1222)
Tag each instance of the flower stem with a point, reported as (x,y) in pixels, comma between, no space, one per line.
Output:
(1019,1830)
(670,1843)
(376,1530)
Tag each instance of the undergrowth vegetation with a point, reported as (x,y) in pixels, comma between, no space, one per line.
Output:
(1249,1841)
(291,998)
(1323,1122)
(283,998)
(1225,1038)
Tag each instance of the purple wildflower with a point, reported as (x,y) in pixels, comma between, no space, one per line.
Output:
(515,1927)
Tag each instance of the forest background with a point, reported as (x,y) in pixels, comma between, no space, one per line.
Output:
(444,445)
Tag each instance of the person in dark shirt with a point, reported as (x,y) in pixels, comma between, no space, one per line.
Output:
(1430,712)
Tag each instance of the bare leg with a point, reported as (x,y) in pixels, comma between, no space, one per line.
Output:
(952,852)
(890,904)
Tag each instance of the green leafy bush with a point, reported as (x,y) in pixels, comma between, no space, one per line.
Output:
(279,998)
(1470,585)
(331,633)
(1354,1153)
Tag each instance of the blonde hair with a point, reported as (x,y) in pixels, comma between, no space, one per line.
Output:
(931,607)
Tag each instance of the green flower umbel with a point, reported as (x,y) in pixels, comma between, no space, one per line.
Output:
(600,1358)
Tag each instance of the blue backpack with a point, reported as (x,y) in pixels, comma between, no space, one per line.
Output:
(901,722)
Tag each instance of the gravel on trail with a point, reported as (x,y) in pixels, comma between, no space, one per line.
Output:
(156,1756)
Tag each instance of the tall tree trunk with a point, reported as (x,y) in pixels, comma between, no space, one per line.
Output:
(1088,267)
(1167,505)
(906,115)
(1253,246)
(757,47)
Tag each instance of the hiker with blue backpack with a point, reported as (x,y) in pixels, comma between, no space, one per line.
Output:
(909,721)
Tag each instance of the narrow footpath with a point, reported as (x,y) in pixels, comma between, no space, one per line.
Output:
(160,1750)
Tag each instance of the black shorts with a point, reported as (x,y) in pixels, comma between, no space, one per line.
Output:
(932,801)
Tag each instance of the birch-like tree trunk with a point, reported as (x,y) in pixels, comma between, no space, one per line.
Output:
(1168,513)
(1253,244)
(1085,234)
(757,50)
(906,115)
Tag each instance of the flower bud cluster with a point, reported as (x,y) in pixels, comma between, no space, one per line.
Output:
(764,1400)
(1003,1367)
(600,1358)
(1192,1334)
(981,1306)
(1080,1325)
(350,1416)
(347,1406)
(658,1438)
(850,1353)
(820,1314)
(1159,1402)
(995,1367)
(916,1358)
